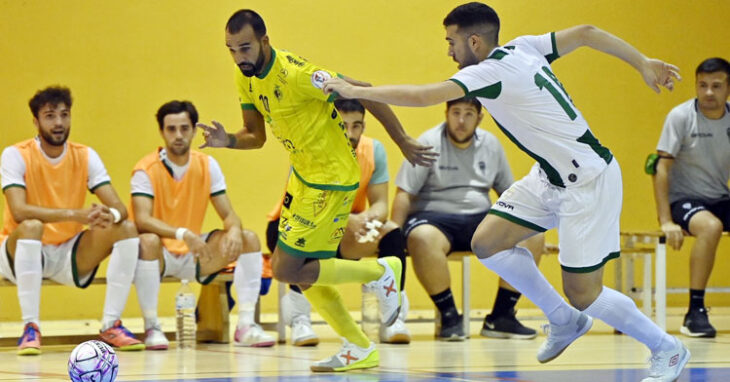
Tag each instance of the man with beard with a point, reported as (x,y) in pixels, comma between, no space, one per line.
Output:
(171,188)
(690,185)
(283,90)
(439,209)
(575,184)
(44,180)
(371,204)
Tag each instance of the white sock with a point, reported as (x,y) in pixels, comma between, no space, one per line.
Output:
(147,282)
(119,275)
(28,277)
(247,281)
(517,267)
(619,311)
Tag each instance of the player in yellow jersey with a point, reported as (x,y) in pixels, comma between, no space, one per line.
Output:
(283,90)
(171,188)
(45,180)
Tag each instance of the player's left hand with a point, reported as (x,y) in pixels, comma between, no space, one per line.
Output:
(100,217)
(658,73)
(338,85)
(215,136)
(232,244)
(416,153)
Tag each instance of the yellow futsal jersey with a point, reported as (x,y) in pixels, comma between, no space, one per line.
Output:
(288,93)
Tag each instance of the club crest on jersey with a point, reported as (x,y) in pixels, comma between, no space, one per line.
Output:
(319,77)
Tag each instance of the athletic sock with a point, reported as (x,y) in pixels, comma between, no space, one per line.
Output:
(505,302)
(119,276)
(696,299)
(247,281)
(517,267)
(28,276)
(339,271)
(329,304)
(619,311)
(444,302)
(147,283)
(295,288)
(394,244)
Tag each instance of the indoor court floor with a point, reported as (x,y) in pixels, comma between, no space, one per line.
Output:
(598,356)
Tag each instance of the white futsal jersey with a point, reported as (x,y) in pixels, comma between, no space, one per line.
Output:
(517,87)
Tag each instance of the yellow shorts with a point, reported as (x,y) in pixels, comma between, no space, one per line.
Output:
(313,221)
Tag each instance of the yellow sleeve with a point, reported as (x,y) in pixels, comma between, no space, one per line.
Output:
(310,80)
(244,91)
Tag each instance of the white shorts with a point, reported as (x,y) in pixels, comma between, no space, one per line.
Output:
(59,263)
(587,216)
(185,266)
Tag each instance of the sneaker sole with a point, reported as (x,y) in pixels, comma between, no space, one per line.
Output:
(685,330)
(311,341)
(400,338)
(585,329)
(266,344)
(135,347)
(156,347)
(372,360)
(453,338)
(29,351)
(507,335)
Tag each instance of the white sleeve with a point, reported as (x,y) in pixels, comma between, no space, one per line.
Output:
(141,184)
(544,44)
(12,168)
(480,79)
(97,172)
(217,180)
(674,131)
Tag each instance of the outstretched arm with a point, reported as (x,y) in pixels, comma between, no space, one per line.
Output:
(251,136)
(401,95)
(655,72)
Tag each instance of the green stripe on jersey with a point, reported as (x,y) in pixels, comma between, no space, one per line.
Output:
(601,150)
(554,55)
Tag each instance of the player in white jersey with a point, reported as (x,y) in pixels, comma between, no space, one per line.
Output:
(574,174)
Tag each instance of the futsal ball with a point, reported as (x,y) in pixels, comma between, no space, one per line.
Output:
(93,361)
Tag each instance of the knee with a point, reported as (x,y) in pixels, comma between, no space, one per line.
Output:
(582,298)
(150,246)
(30,229)
(389,226)
(127,230)
(709,229)
(416,242)
(251,242)
(280,272)
(483,245)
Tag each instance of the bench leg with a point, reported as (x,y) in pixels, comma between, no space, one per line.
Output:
(661,283)
(646,290)
(465,292)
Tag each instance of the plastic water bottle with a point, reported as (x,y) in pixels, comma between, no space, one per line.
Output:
(185,314)
(370,320)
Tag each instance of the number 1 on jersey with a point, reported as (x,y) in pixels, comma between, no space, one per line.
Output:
(543,82)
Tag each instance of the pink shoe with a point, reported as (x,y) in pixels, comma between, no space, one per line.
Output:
(119,337)
(252,336)
(30,342)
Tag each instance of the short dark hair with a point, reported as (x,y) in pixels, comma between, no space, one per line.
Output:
(175,107)
(475,18)
(345,105)
(245,17)
(52,95)
(470,100)
(712,65)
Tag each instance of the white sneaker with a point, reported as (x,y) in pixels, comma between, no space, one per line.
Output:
(155,339)
(560,336)
(349,357)
(398,332)
(387,288)
(302,333)
(668,365)
(252,336)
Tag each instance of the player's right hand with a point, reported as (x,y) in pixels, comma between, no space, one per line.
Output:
(658,73)
(674,235)
(197,246)
(215,136)
(416,153)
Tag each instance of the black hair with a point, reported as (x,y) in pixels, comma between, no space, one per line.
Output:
(715,64)
(470,100)
(344,105)
(475,18)
(245,17)
(175,107)
(52,95)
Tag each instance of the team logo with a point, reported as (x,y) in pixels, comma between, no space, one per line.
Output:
(283,74)
(277,93)
(320,203)
(687,206)
(250,88)
(482,166)
(294,61)
(337,234)
(506,206)
(728,133)
(301,242)
(319,77)
(288,198)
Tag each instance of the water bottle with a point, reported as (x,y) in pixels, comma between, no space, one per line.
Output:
(370,319)
(185,314)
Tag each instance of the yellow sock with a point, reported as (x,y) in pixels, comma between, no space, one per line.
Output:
(339,271)
(328,303)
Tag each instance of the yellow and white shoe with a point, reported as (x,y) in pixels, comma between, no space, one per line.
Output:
(349,357)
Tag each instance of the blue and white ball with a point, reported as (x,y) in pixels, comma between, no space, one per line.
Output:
(93,361)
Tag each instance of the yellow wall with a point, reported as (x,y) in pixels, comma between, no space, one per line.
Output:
(124,59)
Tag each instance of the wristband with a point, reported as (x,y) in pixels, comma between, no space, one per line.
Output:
(180,232)
(232,141)
(116,214)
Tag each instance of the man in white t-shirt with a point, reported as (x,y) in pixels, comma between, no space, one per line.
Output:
(574,173)
(171,188)
(690,185)
(49,233)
